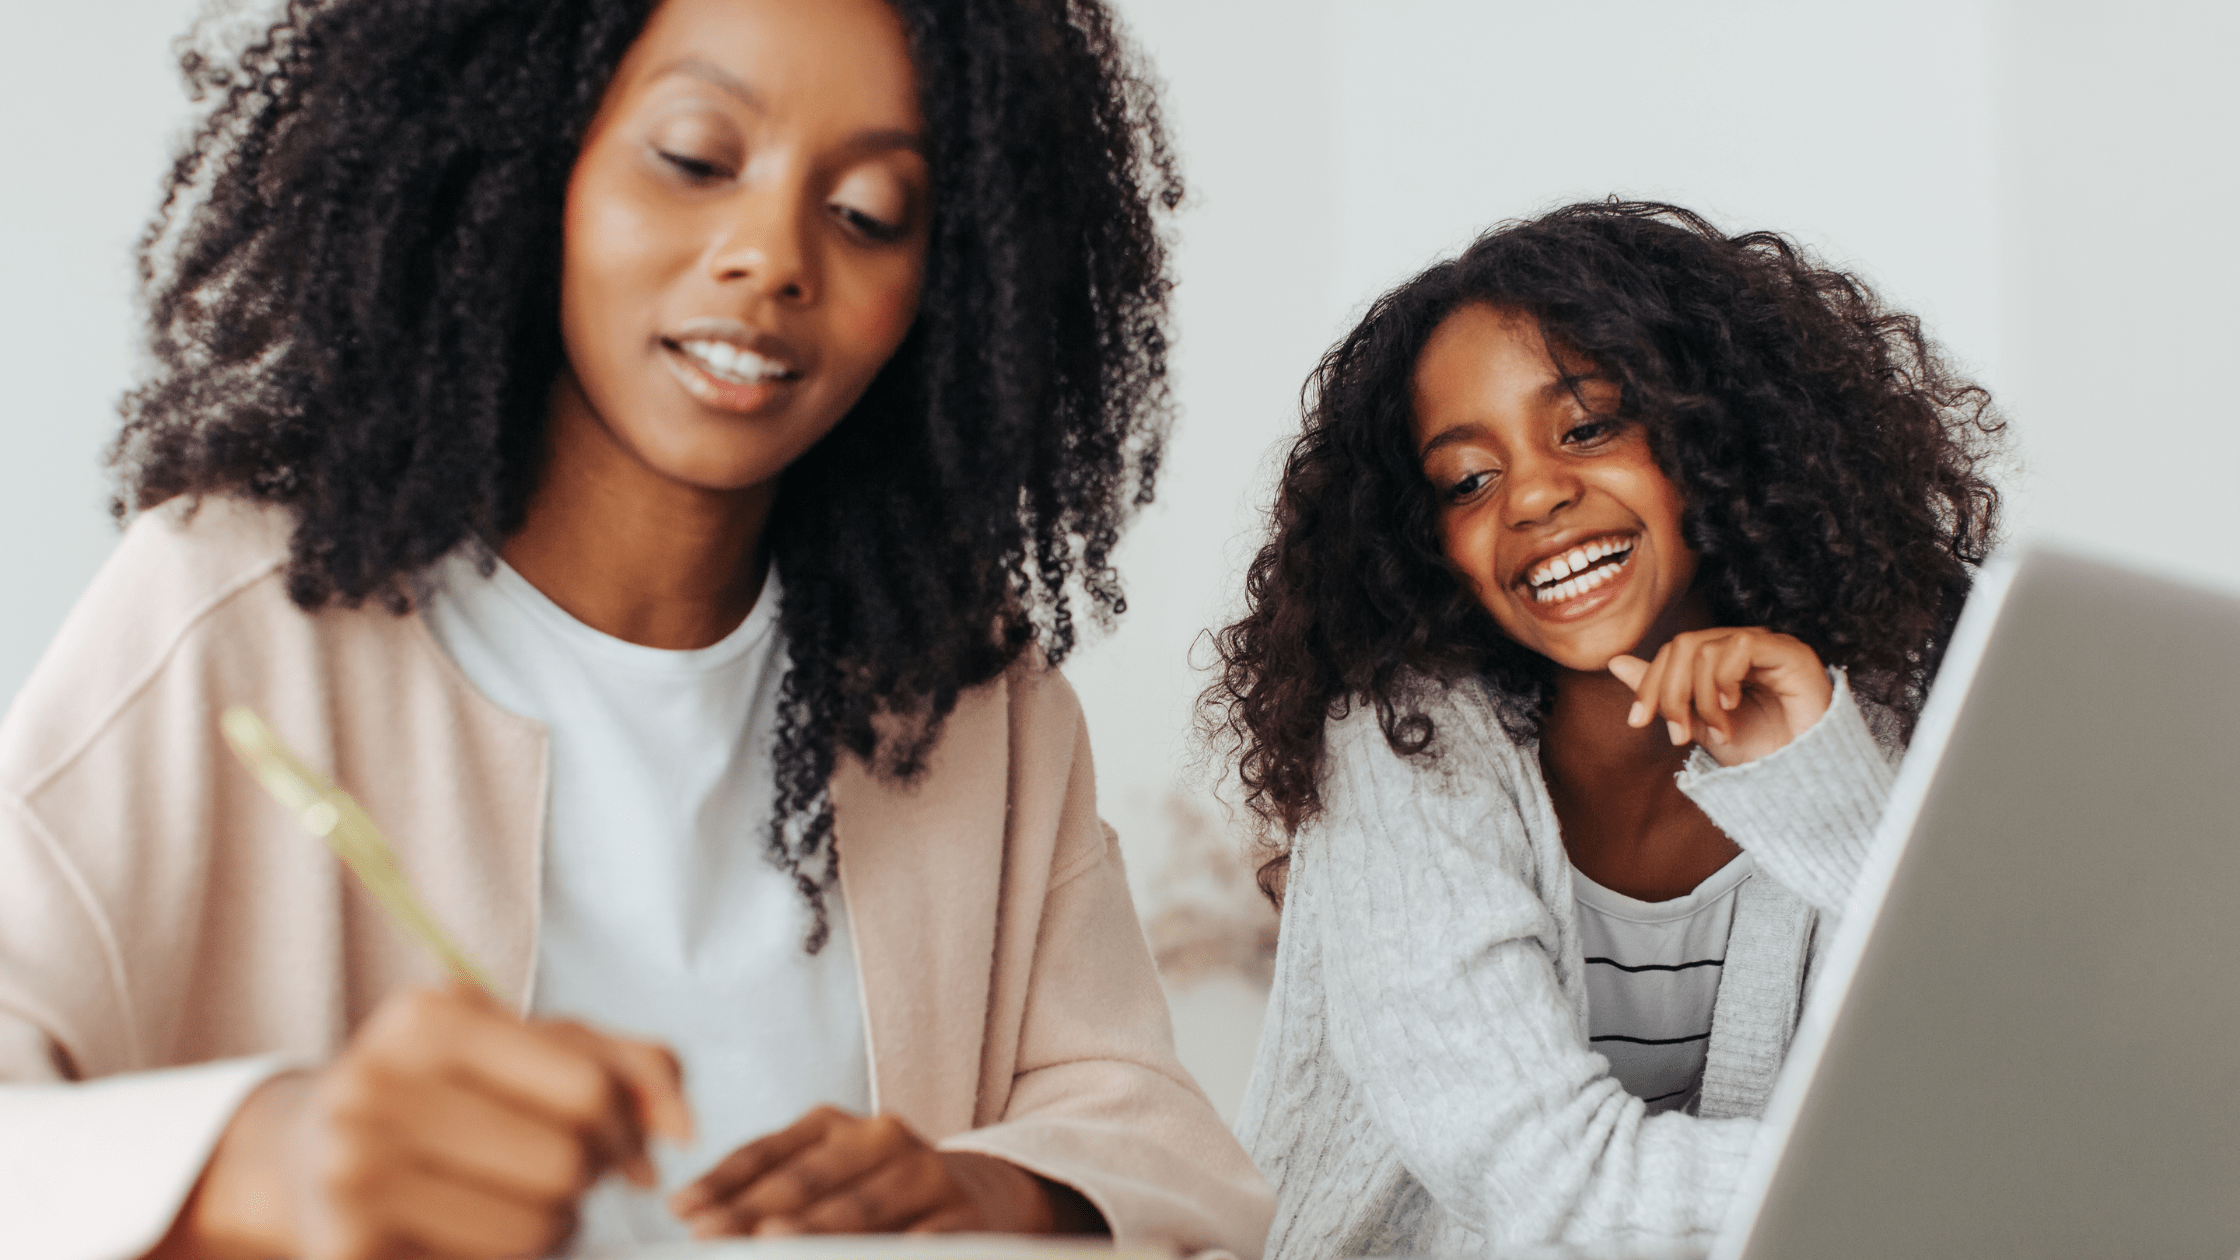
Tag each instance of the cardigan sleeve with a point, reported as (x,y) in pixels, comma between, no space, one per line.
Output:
(98,1171)
(1417,894)
(1807,812)
(1097,1100)
(89,1170)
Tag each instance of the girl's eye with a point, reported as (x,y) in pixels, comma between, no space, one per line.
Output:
(1590,432)
(874,229)
(696,170)
(1472,483)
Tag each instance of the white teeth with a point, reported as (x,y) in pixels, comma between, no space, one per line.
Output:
(1562,577)
(731,362)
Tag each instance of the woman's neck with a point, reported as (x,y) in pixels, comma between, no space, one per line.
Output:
(1626,824)
(631,553)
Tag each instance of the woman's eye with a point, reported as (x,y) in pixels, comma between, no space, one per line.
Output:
(697,170)
(872,228)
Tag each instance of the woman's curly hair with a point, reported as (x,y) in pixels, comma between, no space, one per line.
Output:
(353,287)
(1832,464)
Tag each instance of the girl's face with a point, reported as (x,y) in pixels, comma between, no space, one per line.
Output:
(745,234)
(1566,528)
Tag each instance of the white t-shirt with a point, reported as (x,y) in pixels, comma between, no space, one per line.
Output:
(662,917)
(1653,970)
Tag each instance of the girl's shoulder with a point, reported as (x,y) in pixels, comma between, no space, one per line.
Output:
(1459,778)
(1455,742)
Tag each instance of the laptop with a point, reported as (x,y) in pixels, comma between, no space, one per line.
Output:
(2027,1043)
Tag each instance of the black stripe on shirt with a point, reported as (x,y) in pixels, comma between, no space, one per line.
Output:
(1701,962)
(1652,1041)
(1674,1094)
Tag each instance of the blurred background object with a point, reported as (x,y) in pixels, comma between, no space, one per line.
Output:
(2045,183)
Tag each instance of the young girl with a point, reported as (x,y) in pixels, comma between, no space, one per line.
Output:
(1611,550)
(643,451)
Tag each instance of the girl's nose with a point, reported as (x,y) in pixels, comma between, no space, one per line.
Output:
(765,249)
(1539,487)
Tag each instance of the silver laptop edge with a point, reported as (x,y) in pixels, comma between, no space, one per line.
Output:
(1970,636)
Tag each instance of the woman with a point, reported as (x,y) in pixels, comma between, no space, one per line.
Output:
(642,449)
(1609,549)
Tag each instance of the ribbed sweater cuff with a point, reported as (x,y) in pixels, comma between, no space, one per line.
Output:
(1808,811)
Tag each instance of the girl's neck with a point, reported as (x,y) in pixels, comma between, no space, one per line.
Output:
(1626,824)
(631,553)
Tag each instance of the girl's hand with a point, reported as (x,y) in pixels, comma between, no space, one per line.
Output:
(834,1172)
(1739,692)
(447,1128)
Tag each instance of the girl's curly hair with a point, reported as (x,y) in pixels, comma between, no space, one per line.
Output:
(1833,466)
(353,288)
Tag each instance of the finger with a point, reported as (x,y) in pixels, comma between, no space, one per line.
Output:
(451,1218)
(1676,687)
(1733,669)
(1629,669)
(461,1132)
(885,1200)
(954,1220)
(1646,686)
(848,1152)
(741,1167)
(544,1073)
(650,1072)
(1710,714)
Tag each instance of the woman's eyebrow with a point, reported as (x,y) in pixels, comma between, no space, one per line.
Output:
(711,73)
(715,75)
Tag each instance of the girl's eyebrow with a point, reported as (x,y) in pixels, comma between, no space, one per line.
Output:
(710,73)
(1449,437)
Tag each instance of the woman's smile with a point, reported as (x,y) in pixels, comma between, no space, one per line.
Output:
(731,366)
(746,231)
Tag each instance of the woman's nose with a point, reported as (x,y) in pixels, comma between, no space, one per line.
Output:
(1539,487)
(765,247)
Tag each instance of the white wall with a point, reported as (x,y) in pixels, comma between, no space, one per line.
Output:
(88,106)
(2045,182)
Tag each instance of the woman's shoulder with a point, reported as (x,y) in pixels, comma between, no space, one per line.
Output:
(189,584)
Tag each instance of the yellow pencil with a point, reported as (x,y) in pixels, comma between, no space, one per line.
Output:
(329,813)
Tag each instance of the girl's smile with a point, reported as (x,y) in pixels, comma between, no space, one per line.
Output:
(1549,503)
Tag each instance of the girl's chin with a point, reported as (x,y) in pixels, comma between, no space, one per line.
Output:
(1590,650)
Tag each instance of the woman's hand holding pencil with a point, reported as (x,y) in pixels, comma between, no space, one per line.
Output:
(448,1127)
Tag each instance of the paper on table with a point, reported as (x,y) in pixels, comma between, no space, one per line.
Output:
(889,1247)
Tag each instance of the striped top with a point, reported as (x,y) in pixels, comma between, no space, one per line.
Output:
(1653,970)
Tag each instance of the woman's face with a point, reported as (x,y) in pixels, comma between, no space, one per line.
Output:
(1566,528)
(745,234)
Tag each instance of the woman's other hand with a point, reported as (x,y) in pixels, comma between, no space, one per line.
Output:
(447,1128)
(833,1172)
(1739,692)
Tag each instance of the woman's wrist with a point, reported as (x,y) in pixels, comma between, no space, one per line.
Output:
(1015,1201)
(239,1208)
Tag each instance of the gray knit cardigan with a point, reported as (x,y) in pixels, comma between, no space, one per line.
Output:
(1424,1084)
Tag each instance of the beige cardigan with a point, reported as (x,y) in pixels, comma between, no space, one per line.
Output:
(156,910)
